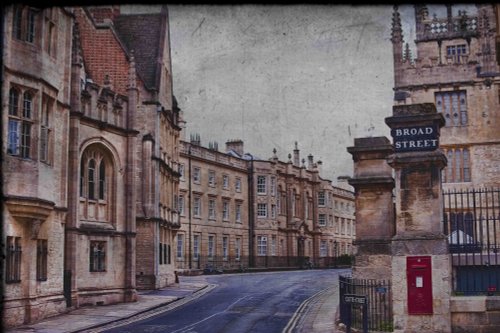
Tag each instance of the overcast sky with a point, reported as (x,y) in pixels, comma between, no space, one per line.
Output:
(273,75)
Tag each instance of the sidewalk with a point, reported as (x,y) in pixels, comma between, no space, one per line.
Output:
(318,314)
(148,303)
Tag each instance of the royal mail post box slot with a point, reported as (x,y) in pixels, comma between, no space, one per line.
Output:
(419,279)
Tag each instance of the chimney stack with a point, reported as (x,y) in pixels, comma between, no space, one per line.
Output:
(296,156)
(235,145)
(310,162)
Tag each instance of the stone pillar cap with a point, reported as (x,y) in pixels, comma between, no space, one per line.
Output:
(370,144)
(414,114)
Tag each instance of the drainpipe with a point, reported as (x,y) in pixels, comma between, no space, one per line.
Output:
(250,215)
(190,210)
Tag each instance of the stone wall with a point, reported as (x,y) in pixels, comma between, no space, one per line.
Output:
(475,314)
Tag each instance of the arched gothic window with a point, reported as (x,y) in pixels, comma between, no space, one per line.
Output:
(96,171)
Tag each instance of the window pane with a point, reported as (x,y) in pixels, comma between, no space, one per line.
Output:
(13,139)
(13,102)
(102,179)
(44,138)
(91,179)
(27,105)
(466,166)
(458,165)
(17,23)
(25,140)
(30,33)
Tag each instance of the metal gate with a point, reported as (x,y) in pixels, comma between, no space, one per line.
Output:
(472,225)
(376,313)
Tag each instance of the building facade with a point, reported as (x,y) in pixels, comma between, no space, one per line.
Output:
(456,68)
(213,206)
(250,212)
(35,117)
(91,158)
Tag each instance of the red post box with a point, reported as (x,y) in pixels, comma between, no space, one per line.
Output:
(419,278)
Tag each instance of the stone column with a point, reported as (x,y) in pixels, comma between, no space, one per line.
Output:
(373,184)
(421,266)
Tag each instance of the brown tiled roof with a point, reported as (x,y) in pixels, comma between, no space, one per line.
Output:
(105,50)
(143,34)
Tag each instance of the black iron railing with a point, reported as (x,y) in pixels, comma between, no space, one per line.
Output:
(219,264)
(472,225)
(378,295)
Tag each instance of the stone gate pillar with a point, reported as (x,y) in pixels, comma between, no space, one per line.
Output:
(421,266)
(373,184)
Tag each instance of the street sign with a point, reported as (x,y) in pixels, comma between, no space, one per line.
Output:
(415,138)
(354,299)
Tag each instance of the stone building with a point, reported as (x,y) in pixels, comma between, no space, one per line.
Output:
(265,213)
(297,213)
(91,137)
(213,206)
(136,123)
(36,71)
(457,68)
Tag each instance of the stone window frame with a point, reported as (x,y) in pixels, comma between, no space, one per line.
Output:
(273,211)
(181,170)
(97,256)
(237,211)
(196,175)
(458,169)
(445,103)
(322,220)
(211,178)
(225,209)
(225,182)
(211,246)
(237,248)
(164,255)
(180,246)
(273,245)
(97,184)
(323,248)
(197,206)
(261,210)
(321,199)
(21,122)
(196,246)
(212,208)
(262,245)
(41,259)
(237,184)
(261,185)
(13,259)
(225,247)
(51,25)
(24,23)
(180,205)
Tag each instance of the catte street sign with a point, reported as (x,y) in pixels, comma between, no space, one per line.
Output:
(415,138)
(354,299)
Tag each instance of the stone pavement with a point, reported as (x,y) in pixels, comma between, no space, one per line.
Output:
(87,319)
(315,315)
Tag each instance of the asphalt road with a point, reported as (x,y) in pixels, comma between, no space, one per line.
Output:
(252,302)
